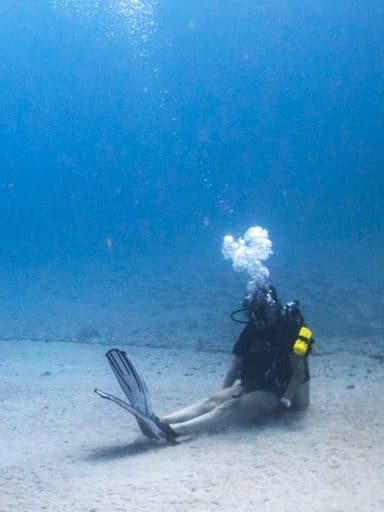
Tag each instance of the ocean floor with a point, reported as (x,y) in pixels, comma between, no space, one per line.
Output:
(173,302)
(64,449)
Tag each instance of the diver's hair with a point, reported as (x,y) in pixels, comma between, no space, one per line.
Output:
(247,254)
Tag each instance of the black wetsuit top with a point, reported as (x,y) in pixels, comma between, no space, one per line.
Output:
(265,355)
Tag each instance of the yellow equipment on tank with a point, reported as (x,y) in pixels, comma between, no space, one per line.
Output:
(303,344)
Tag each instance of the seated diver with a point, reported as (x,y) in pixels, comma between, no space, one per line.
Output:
(269,361)
(268,371)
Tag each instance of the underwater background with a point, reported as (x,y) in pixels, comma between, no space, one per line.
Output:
(136,134)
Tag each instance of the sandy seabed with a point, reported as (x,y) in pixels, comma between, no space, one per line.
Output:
(64,449)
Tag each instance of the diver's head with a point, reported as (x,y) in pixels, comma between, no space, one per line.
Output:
(262,306)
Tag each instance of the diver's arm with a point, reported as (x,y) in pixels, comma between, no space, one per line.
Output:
(297,378)
(233,372)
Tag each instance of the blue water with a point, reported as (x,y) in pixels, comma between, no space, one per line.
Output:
(148,133)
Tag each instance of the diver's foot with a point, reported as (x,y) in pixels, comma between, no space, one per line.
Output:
(170,434)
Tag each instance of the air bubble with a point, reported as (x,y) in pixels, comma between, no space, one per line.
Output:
(248,253)
(136,17)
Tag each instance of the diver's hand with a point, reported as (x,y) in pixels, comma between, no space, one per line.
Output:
(286,403)
(282,407)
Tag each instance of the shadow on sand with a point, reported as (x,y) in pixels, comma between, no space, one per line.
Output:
(138,447)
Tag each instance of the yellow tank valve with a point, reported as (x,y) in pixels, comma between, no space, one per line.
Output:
(303,344)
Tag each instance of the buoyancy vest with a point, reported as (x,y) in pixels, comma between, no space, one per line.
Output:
(268,365)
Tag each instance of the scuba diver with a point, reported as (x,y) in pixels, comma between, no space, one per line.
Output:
(268,372)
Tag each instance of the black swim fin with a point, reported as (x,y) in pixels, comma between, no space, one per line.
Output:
(136,391)
(149,426)
(131,382)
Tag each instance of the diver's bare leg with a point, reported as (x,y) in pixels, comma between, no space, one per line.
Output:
(248,407)
(216,419)
(204,406)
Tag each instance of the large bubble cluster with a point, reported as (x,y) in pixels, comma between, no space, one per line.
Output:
(248,252)
(134,16)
